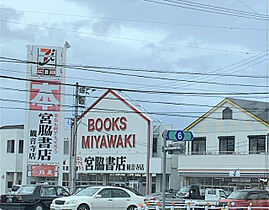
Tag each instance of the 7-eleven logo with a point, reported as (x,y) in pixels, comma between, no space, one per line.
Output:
(46,56)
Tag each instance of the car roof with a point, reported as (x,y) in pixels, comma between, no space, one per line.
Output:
(100,186)
(251,190)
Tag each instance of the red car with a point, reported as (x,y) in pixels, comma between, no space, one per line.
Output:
(245,198)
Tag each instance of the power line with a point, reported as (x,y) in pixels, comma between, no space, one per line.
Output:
(97,69)
(243,3)
(40,103)
(109,98)
(241,64)
(129,39)
(168,72)
(119,111)
(202,5)
(141,21)
(142,91)
(185,5)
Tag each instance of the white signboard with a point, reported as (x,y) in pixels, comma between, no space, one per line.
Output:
(113,137)
(47,62)
(234,173)
(44,120)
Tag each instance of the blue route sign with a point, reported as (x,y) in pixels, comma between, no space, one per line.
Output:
(179,135)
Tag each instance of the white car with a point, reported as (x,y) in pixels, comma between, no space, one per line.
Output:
(99,198)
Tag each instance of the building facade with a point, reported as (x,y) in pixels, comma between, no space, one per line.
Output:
(13,155)
(230,148)
(117,145)
(11,158)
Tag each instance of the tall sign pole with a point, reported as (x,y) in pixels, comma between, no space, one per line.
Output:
(164,170)
(74,142)
(44,116)
(172,135)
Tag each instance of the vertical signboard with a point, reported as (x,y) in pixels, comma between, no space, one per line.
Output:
(44,118)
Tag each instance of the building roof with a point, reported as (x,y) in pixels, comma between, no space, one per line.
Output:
(258,110)
(120,99)
(12,127)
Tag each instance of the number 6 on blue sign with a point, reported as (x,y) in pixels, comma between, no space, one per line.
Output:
(180,135)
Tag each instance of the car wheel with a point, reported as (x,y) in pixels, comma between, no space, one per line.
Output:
(83,207)
(131,208)
(39,206)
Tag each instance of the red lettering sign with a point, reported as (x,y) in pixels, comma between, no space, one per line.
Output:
(108,124)
(108,141)
(43,170)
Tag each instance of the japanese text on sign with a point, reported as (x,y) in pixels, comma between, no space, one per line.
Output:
(109,163)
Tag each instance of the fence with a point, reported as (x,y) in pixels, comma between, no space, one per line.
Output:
(174,206)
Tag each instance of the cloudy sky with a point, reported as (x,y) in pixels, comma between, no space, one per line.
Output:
(169,47)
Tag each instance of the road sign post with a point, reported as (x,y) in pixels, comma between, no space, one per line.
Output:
(179,135)
(164,172)
(173,135)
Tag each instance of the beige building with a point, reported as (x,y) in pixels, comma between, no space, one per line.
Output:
(230,148)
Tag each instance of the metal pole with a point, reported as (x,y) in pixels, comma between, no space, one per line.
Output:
(164,171)
(74,146)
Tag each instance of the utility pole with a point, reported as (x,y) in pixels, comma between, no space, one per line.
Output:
(74,142)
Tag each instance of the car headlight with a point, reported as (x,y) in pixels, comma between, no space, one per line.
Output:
(71,202)
(232,203)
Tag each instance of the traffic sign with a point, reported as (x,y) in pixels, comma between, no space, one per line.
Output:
(179,135)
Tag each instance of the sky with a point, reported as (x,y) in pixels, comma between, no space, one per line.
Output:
(169,49)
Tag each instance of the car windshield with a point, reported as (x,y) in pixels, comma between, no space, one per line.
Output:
(238,195)
(26,190)
(184,190)
(90,191)
(78,189)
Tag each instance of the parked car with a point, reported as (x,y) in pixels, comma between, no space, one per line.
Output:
(32,197)
(245,198)
(190,192)
(99,198)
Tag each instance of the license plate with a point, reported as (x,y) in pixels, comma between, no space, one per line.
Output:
(222,208)
(58,208)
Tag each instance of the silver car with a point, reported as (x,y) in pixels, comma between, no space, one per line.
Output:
(100,198)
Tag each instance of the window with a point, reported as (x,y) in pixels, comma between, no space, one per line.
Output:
(263,196)
(20,146)
(227,114)
(155,145)
(226,145)
(253,196)
(256,144)
(65,179)
(48,191)
(117,193)
(198,146)
(106,193)
(10,146)
(9,184)
(62,192)
(66,146)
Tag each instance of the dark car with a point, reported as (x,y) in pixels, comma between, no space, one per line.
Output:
(32,197)
(245,198)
